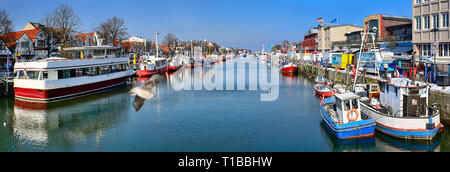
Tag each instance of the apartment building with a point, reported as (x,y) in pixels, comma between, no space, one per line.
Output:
(431,24)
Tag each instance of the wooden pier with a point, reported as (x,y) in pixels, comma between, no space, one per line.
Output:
(6,87)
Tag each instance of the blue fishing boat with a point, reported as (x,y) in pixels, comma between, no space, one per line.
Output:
(342,116)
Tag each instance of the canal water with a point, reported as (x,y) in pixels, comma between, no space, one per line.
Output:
(182,120)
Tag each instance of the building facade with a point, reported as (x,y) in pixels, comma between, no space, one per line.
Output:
(431,24)
(328,34)
(309,43)
(380,23)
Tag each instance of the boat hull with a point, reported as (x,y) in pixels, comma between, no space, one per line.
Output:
(322,93)
(150,73)
(49,95)
(403,128)
(173,68)
(290,69)
(353,130)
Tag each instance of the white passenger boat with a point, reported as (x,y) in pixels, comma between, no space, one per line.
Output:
(96,69)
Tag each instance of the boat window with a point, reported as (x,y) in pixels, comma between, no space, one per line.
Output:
(382,87)
(90,71)
(347,105)
(355,104)
(62,74)
(374,88)
(21,74)
(45,75)
(73,73)
(115,68)
(339,104)
(33,75)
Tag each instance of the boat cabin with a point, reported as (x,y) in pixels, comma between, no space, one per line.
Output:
(403,98)
(154,64)
(94,52)
(347,108)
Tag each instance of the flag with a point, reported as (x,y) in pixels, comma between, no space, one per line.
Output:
(8,64)
(334,21)
(320,19)
(134,58)
(81,54)
(17,54)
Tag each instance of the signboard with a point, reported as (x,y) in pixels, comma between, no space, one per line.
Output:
(435,48)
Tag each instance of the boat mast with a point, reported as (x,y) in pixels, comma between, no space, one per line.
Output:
(358,64)
(157,45)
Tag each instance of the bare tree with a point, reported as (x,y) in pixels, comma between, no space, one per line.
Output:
(170,40)
(276,47)
(286,44)
(5,22)
(112,30)
(64,20)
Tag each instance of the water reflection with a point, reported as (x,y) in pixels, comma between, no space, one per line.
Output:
(352,145)
(387,143)
(38,126)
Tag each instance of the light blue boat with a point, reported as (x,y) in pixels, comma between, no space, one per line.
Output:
(342,115)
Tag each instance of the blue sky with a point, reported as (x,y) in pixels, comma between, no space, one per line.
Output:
(240,23)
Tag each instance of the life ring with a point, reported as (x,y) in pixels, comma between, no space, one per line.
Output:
(352,119)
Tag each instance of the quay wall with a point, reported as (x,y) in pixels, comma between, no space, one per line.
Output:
(346,77)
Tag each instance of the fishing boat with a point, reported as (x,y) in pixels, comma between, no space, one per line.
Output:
(289,68)
(173,65)
(152,66)
(323,90)
(96,69)
(402,110)
(342,115)
(320,80)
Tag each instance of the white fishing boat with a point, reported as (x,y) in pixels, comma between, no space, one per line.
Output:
(402,110)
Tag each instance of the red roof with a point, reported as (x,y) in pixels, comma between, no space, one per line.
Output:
(165,48)
(84,35)
(11,38)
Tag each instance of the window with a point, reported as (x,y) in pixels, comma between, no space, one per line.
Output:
(45,75)
(24,44)
(418,1)
(355,104)
(347,105)
(445,20)
(426,20)
(418,23)
(435,21)
(32,75)
(40,43)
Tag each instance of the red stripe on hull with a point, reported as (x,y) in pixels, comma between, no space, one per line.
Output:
(149,73)
(61,93)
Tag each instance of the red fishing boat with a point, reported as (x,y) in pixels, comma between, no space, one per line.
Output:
(152,66)
(289,68)
(173,66)
(324,91)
